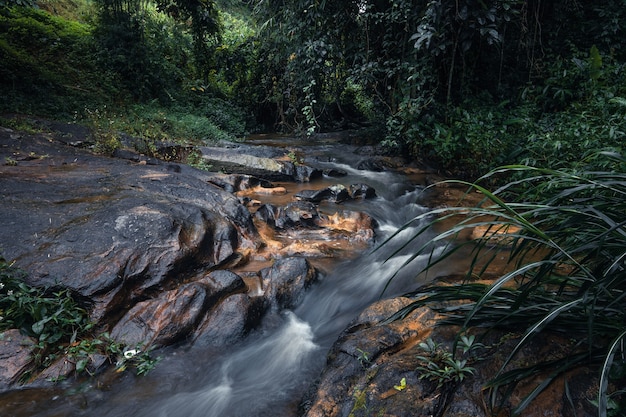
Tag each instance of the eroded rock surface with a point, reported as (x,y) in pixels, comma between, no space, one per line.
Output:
(260,161)
(16,355)
(111,230)
(131,239)
(374,368)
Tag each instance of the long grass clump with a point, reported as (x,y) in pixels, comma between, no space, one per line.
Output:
(565,235)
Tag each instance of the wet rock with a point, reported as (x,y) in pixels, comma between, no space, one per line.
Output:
(361,191)
(374,164)
(314,196)
(135,157)
(310,233)
(230,320)
(237,182)
(298,172)
(110,230)
(175,314)
(333,172)
(335,193)
(233,311)
(169,318)
(339,193)
(358,225)
(16,356)
(71,134)
(496,235)
(342,385)
(259,161)
(370,359)
(285,281)
(235,160)
(367,364)
(304,173)
(60,369)
(267,213)
(296,214)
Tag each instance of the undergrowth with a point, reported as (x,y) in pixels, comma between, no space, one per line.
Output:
(60,327)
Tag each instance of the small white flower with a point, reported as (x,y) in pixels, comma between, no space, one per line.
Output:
(128,354)
(1,285)
(10,293)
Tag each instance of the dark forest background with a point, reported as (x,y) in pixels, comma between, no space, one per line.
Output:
(465,84)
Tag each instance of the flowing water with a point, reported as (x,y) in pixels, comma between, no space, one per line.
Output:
(268,372)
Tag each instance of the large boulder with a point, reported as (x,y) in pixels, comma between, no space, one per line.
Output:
(285,281)
(258,161)
(295,214)
(174,315)
(337,193)
(238,182)
(230,320)
(355,226)
(110,230)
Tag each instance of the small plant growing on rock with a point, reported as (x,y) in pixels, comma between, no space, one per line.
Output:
(195,160)
(441,366)
(142,361)
(44,314)
(363,358)
(10,161)
(294,158)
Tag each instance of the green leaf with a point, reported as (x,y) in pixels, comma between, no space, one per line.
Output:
(81,365)
(402,385)
(39,326)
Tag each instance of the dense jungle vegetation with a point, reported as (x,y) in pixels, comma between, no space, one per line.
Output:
(467,85)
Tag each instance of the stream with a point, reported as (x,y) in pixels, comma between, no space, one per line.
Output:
(269,371)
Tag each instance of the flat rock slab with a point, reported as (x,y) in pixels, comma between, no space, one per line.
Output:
(271,164)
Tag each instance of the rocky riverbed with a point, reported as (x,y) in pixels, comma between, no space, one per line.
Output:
(166,255)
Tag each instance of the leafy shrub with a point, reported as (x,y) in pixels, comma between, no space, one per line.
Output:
(214,121)
(474,137)
(565,138)
(45,314)
(22,3)
(576,109)
(442,366)
(60,325)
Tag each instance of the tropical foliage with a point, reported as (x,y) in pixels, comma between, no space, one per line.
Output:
(458,81)
(467,85)
(564,234)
